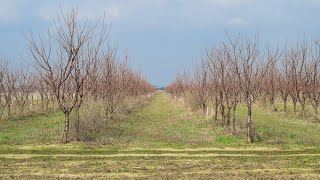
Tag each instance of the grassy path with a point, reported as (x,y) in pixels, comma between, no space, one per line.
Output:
(164,123)
(161,141)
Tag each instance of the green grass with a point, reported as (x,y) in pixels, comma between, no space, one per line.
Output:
(91,162)
(164,123)
(41,128)
(281,128)
(228,139)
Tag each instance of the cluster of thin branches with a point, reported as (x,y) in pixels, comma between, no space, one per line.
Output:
(241,69)
(17,87)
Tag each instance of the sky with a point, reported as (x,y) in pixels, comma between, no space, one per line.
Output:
(163,37)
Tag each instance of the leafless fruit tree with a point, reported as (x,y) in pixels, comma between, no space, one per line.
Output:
(64,56)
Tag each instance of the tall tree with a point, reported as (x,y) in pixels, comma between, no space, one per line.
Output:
(61,58)
(250,69)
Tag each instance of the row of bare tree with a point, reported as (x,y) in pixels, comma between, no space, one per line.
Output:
(17,88)
(71,63)
(75,64)
(241,69)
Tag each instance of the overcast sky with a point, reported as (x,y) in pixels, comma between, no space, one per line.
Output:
(164,36)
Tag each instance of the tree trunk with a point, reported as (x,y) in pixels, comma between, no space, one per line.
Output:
(9,110)
(222,114)
(22,106)
(207,112)
(53,103)
(42,103)
(2,111)
(107,112)
(31,106)
(234,120)
(303,107)
(294,107)
(204,109)
(264,102)
(77,122)
(47,105)
(249,123)
(65,138)
(285,104)
(228,117)
(273,104)
(216,109)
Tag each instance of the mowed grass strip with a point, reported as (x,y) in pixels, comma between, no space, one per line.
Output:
(80,149)
(78,166)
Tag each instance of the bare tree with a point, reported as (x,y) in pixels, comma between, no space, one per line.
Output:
(303,77)
(117,81)
(314,76)
(85,64)
(249,70)
(59,60)
(223,80)
(8,88)
(44,92)
(283,81)
(269,84)
(4,90)
(23,87)
(199,86)
(296,59)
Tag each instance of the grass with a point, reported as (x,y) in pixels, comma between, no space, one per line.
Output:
(164,123)
(71,161)
(163,140)
(281,128)
(41,128)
